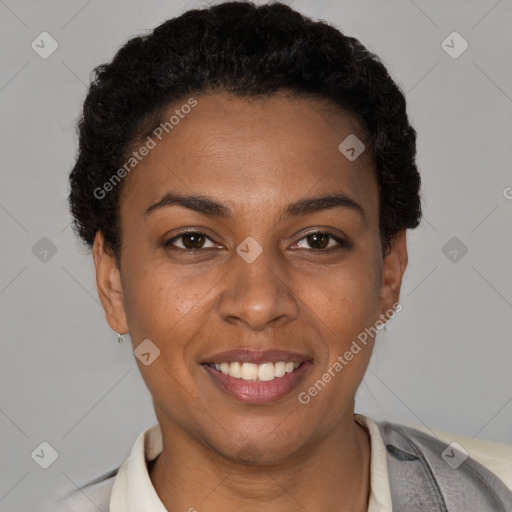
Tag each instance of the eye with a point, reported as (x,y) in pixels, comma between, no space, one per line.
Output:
(195,241)
(191,241)
(319,241)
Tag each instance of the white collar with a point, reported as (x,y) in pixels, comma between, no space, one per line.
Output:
(133,490)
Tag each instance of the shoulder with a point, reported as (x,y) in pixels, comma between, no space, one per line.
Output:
(93,496)
(97,495)
(453,470)
(496,457)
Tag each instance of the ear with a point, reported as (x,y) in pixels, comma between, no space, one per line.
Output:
(108,282)
(393,268)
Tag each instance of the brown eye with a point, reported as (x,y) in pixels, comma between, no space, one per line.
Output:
(319,240)
(191,240)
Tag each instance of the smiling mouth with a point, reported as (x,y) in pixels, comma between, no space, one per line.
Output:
(264,372)
(257,376)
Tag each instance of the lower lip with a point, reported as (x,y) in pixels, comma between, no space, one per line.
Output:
(255,391)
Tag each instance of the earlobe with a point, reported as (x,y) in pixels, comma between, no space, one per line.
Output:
(108,282)
(394,265)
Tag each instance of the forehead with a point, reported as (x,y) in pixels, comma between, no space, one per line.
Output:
(259,151)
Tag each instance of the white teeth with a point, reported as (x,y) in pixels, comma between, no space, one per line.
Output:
(262,372)
(266,372)
(280,369)
(249,371)
(235,370)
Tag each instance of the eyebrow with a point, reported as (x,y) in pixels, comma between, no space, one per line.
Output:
(208,206)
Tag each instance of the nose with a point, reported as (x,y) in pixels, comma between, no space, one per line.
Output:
(258,294)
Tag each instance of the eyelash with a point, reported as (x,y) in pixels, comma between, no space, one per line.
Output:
(342,244)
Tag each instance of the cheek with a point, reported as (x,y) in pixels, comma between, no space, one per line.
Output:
(348,304)
(349,297)
(169,306)
(162,306)
(156,296)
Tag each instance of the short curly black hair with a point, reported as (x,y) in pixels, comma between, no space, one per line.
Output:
(248,50)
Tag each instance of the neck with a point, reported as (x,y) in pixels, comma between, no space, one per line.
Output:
(332,475)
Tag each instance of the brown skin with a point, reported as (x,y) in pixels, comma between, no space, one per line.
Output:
(255,156)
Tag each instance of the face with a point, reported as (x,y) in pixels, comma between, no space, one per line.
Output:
(254,272)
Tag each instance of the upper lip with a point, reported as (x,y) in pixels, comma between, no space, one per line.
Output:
(246,355)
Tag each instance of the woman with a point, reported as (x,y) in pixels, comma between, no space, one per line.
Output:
(245,178)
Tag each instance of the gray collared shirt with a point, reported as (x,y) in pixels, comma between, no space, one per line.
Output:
(410,471)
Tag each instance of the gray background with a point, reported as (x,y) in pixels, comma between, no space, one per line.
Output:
(445,360)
